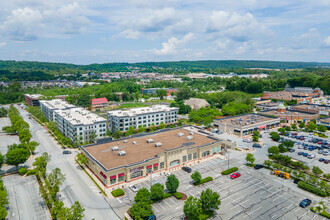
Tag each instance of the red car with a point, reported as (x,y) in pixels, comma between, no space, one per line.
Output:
(235,175)
(320,142)
(302,138)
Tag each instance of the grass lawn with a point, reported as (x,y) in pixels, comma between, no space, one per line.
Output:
(132,105)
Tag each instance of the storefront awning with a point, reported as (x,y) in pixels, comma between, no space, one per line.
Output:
(121,174)
(113,177)
(149,166)
(261,127)
(155,165)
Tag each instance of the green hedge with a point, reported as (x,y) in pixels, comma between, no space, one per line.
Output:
(207,179)
(323,213)
(312,189)
(177,195)
(22,171)
(30,172)
(226,172)
(117,192)
(166,195)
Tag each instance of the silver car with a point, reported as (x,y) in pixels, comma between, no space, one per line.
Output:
(325,153)
(133,188)
(320,152)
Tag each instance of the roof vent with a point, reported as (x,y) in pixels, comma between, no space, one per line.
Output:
(158,144)
(125,141)
(122,153)
(134,142)
(180,134)
(115,148)
(150,140)
(189,137)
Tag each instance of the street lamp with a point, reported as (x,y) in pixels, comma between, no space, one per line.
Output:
(228,157)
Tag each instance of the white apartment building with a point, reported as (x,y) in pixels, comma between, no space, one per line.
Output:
(78,124)
(145,117)
(49,106)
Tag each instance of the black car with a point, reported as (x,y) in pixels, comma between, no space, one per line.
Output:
(291,150)
(66,152)
(295,181)
(187,169)
(305,203)
(258,166)
(300,153)
(256,145)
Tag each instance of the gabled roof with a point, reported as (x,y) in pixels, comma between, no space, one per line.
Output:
(99,101)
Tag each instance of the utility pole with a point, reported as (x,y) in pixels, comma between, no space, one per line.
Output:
(228,157)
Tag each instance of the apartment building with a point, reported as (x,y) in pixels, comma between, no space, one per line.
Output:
(32,99)
(49,106)
(79,124)
(129,159)
(145,117)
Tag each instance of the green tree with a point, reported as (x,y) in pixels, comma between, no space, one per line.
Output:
(55,179)
(301,125)
(118,134)
(24,135)
(268,163)
(281,130)
(184,93)
(250,158)
(162,125)
(81,158)
(210,200)
(140,210)
(172,183)
(273,150)
(192,208)
(17,156)
(294,126)
(32,146)
(41,163)
(275,136)
(316,170)
(282,148)
(2,160)
(130,131)
(157,192)
(77,211)
(141,129)
(311,126)
(84,99)
(288,144)
(196,176)
(92,137)
(142,195)
(322,128)
(161,93)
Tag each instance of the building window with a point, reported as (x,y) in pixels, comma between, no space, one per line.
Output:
(136,174)
(121,178)
(206,153)
(113,181)
(155,168)
(189,156)
(149,170)
(195,155)
(162,165)
(184,159)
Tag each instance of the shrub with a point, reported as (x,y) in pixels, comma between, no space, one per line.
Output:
(207,179)
(30,172)
(177,195)
(22,171)
(226,172)
(117,192)
(166,195)
(312,189)
(327,175)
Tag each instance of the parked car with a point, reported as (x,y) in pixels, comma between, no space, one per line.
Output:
(187,169)
(320,152)
(258,166)
(235,175)
(300,153)
(320,142)
(305,203)
(151,217)
(66,152)
(167,174)
(325,153)
(256,145)
(305,154)
(133,188)
(291,150)
(295,181)
(326,161)
(260,136)
(302,138)
(321,159)
(300,147)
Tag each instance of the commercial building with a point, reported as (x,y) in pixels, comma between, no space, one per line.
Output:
(268,105)
(146,116)
(290,116)
(49,106)
(128,159)
(80,125)
(324,121)
(32,99)
(153,91)
(196,103)
(314,109)
(242,125)
(99,103)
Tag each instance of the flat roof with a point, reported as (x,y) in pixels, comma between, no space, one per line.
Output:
(325,120)
(77,116)
(316,107)
(142,110)
(56,104)
(287,113)
(142,150)
(246,119)
(33,96)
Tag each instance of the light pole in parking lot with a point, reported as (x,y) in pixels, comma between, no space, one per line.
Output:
(228,157)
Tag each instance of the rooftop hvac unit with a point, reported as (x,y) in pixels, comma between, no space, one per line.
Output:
(158,144)
(125,141)
(115,148)
(134,142)
(122,153)
(191,133)
(180,134)
(189,137)
(150,140)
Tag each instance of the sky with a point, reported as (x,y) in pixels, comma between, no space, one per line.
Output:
(103,31)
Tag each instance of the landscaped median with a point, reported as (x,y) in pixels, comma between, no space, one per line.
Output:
(229,171)
(321,209)
(117,192)
(207,179)
(312,189)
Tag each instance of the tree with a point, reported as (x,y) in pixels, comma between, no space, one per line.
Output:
(288,144)
(142,195)
(301,125)
(17,156)
(2,160)
(157,192)
(118,134)
(281,130)
(59,211)
(76,211)
(192,208)
(275,136)
(141,129)
(268,163)
(250,158)
(196,176)
(294,126)
(273,150)
(92,137)
(282,148)
(84,99)
(41,163)
(24,135)
(55,179)
(162,125)
(130,131)
(210,200)
(81,158)
(311,126)
(184,93)
(140,210)
(316,170)
(161,93)
(322,128)
(172,183)
(32,146)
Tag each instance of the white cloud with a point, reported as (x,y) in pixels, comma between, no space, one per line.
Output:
(327,41)
(2,44)
(170,47)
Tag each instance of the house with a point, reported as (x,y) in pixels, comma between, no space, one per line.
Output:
(99,103)
(196,103)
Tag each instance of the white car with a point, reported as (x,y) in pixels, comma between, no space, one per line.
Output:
(300,147)
(133,188)
(167,174)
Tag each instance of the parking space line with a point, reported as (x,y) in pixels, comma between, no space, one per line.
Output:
(155,208)
(255,210)
(167,203)
(173,200)
(161,206)
(118,200)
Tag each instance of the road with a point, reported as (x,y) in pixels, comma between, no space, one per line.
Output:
(77,186)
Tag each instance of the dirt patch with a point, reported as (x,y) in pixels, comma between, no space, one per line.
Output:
(184,196)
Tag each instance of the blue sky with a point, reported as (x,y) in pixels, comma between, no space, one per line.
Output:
(86,31)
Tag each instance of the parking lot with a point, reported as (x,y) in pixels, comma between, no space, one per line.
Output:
(254,195)
(5,139)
